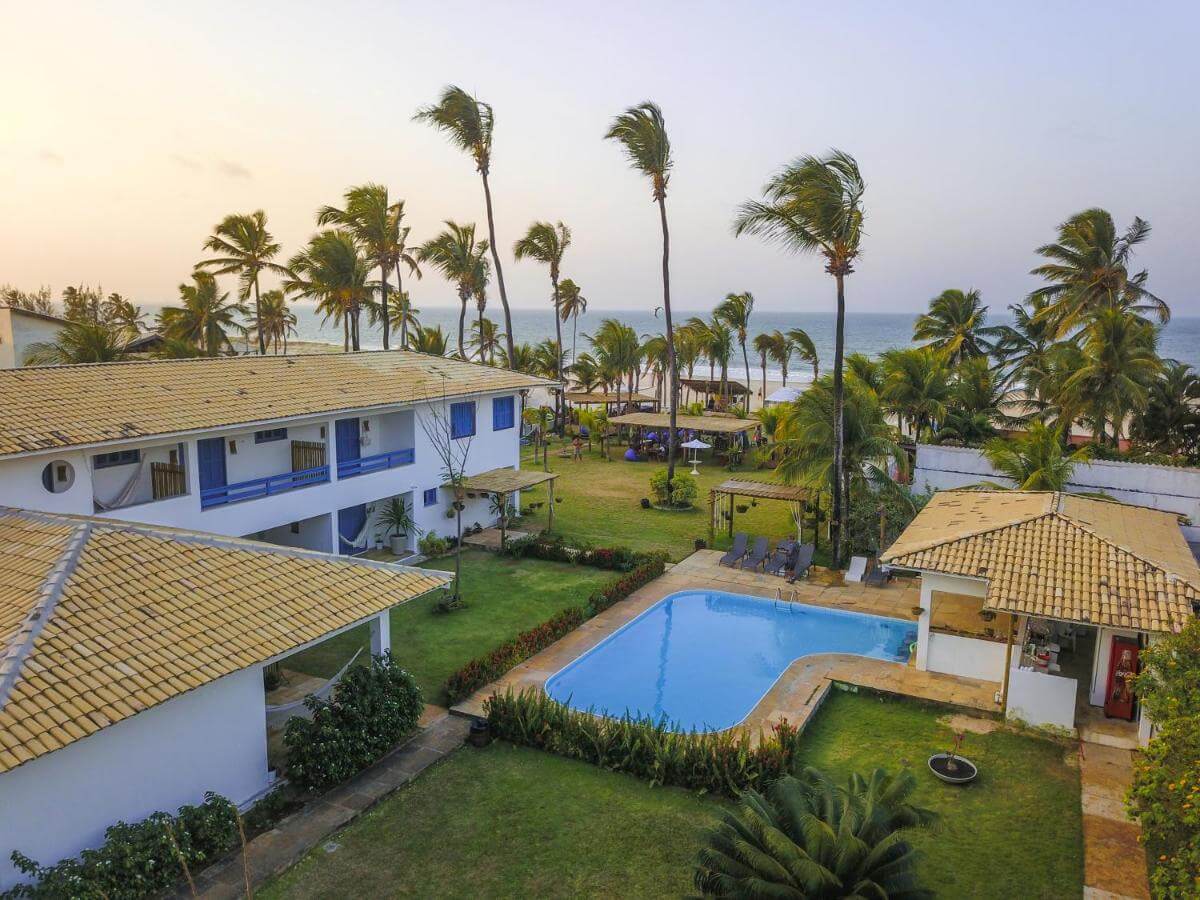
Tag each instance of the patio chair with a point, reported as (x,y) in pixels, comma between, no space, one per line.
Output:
(735,554)
(784,551)
(877,575)
(858,568)
(758,555)
(803,561)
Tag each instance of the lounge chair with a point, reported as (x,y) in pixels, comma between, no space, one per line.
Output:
(735,554)
(758,555)
(803,560)
(858,568)
(784,552)
(877,575)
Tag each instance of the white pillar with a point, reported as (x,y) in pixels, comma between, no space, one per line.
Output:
(923,626)
(381,633)
(331,450)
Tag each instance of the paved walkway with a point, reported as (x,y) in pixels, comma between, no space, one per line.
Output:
(273,851)
(1114,863)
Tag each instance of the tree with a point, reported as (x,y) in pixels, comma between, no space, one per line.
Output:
(333,271)
(764,346)
(916,387)
(82,304)
(954,325)
(1036,460)
(735,312)
(814,205)
(1170,423)
(431,340)
(546,244)
(206,317)
(121,313)
(642,134)
(654,355)
(572,304)
(805,348)
(1024,348)
(485,339)
(459,257)
(79,342)
(278,321)
(867,370)
(38,301)
(468,123)
(452,453)
(586,372)
(1088,271)
(617,351)
(715,341)
(245,248)
(523,358)
(977,402)
(810,838)
(403,315)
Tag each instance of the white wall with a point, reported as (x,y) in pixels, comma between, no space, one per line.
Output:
(315,533)
(1100,660)
(933,582)
(1172,488)
(108,482)
(1039,698)
(967,657)
(18,330)
(209,739)
(262,460)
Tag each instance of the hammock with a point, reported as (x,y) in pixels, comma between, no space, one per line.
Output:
(278,715)
(360,539)
(125,494)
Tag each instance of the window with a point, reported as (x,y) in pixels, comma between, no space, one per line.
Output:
(431,497)
(462,419)
(270,434)
(118,458)
(58,477)
(502,413)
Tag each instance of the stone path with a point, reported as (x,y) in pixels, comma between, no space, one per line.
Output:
(1114,863)
(273,851)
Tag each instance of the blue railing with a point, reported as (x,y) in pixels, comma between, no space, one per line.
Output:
(350,467)
(262,487)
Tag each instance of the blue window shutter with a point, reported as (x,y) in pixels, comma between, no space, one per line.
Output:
(502,413)
(462,419)
(431,496)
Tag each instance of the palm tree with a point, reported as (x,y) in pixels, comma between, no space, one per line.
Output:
(547,360)
(523,358)
(764,346)
(1035,460)
(916,387)
(483,274)
(546,244)
(978,401)
(586,372)
(375,223)
(656,359)
(642,134)
(277,320)
(618,352)
(1170,423)
(403,315)
(715,340)
(430,340)
(954,325)
(735,312)
(246,248)
(485,339)
(811,838)
(176,348)
(1024,348)
(815,206)
(571,305)
(122,313)
(205,318)
(782,348)
(1088,271)
(868,371)
(459,257)
(468,123)
(805,349)
(80,342)
(333,271)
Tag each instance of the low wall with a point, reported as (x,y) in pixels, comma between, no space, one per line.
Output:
(953,654)
(1042,699)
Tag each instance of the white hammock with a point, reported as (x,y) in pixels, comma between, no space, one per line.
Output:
(360,539)
(125,494)
(278,715)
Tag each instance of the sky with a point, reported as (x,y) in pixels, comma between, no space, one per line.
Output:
(127,130)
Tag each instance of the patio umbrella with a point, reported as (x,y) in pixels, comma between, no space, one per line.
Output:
(697,445)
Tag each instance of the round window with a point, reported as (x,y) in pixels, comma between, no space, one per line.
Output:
(58,476)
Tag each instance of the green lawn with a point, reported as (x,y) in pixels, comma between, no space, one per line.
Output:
(505,596)
(512,822)
(601,504)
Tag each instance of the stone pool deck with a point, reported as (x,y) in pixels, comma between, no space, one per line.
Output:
(802,687)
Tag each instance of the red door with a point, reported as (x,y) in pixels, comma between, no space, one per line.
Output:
(1122,666)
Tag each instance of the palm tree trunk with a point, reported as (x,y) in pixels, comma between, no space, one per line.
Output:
(262,341)
(482,343)
(746,363)
(345,333)
(462,323)
(387,326)
(764,370)
(559,418)
(403,310)
(838,403)
(674,405)
(508,329)
(574,335)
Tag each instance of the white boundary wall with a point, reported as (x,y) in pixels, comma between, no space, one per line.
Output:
(969,657)
(1042,699)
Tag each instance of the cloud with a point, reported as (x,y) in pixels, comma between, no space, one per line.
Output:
(232,169)
(186,161)
(49,157)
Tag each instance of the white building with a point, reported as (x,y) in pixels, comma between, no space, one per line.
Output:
(131,666)
(301,451)
(20,329)
(1073,589)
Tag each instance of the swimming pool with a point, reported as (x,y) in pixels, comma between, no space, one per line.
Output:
(703,659)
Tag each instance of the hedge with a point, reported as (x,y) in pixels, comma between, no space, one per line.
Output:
(555,549)
(487,668)
(722,762)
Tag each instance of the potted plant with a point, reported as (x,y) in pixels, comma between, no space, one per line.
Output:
(397,521)
(952,768)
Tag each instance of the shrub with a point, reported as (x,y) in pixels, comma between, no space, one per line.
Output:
(556,549)
(432,545)
(683,488)
(900,507)
(720,762)
(1165,797)
(371,709)
(137,860)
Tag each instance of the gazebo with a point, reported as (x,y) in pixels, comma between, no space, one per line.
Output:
(728,491)
(608,399)
(507,480)
(724,426)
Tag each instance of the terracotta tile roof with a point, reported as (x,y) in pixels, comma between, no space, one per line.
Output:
(46,407)
(506,479)
(100,620)
(713,424)
(1058,556)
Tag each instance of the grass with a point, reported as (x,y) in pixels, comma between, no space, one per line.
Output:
(511,822)
(601,504)
(505,596)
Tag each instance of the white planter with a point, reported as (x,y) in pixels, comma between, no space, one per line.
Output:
(399,544)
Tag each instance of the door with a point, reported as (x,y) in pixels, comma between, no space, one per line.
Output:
(1122,667)
(211,462)
(350,523)
(348,447)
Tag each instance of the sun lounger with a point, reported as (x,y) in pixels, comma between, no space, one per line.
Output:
(735,554)
(784,551)
(803,560)
(758,555)
(858,568)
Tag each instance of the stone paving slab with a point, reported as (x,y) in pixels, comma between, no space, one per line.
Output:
(1114,863)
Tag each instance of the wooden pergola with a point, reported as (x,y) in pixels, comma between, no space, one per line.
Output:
(507,480)
(607,399)
(714,386)
(704,424)
(728,491)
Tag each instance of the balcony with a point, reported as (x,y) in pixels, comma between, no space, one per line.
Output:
(377,463)
(262,487)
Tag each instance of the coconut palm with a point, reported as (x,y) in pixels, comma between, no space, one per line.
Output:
(805,349)
(715,341)
(175,348)
(1170,422)
(1087,271)
(547,360)
(916,387)
(617,351)
(571,305)
(868,371)
(244,247)
(123,314)
(468,123)
(546,244)
(523,358)
(764,345)
(375,223)
(642,134)
(333,271)
(80,342)
(586,372)
(403,315)
(656,359)
(810,838)
(954,325)
(205,317)
(814,205)
(431,340)
(735,312)
(782,348)
(1034,460)
(1023,350)
(278,321)
(483,274)
(485,340)
(460,258)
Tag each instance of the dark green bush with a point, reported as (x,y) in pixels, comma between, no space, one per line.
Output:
(371,709)
(137,860)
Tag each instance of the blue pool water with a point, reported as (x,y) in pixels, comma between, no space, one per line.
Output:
(703,659)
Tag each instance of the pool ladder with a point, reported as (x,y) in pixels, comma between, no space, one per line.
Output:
(793,597)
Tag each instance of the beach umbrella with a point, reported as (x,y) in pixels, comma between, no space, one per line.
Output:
(697,445)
